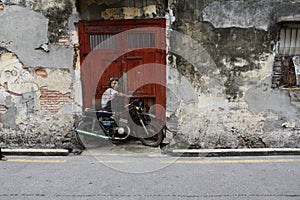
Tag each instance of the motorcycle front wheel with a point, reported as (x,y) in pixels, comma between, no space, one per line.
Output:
(155,134)
(90,141)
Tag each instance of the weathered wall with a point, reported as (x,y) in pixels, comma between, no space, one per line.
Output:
(39,80)
(220,59)
(237,106)
(40,88)
(121,9)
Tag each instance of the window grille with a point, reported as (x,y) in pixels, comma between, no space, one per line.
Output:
(286,68)
(103,41)
(289,43)
(140,40)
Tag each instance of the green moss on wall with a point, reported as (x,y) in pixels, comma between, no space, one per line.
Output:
(226,46)
(58,13)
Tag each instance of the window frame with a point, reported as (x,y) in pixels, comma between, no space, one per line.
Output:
(284,72)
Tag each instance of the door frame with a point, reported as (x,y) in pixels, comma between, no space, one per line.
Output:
(114,27)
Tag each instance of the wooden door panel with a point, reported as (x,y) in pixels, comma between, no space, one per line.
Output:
(95,76)
(137,55)
(108,69)
(139,74)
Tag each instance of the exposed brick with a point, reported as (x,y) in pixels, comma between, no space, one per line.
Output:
(1,5)
(3,109)
(41,73)
(51,101)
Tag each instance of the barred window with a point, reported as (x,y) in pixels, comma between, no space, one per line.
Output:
(289,41)
(103,41)
(140,40)
(286,68)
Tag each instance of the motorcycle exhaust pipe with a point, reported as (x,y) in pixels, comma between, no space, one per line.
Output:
(92,134)
(121,131)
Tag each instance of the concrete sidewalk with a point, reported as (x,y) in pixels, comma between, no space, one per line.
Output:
(170,152)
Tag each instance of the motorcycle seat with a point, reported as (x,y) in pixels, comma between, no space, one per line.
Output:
(97,113)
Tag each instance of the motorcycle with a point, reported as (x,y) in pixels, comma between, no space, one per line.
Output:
(132,121)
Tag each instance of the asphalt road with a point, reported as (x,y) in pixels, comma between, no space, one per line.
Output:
(152,176)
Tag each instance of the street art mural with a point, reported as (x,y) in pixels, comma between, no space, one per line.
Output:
(16,81)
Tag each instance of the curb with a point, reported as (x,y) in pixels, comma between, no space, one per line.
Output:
(233,152)
(36,152)
(171,152)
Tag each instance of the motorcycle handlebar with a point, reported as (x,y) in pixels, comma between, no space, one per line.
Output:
(138,107)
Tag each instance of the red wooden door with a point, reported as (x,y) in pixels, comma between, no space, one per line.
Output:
(131,49)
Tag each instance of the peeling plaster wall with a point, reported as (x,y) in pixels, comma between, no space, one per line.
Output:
(40,66)
(121,9)
(219,71)
(25,36)
(255,14)
(231,75)
(40,89)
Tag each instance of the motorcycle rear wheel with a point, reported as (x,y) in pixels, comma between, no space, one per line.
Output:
(156,135)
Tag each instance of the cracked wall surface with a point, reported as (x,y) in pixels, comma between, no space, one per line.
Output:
(121,9)
(40,68)
(39,73)
(237,105)
(220,63)
(24,106)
